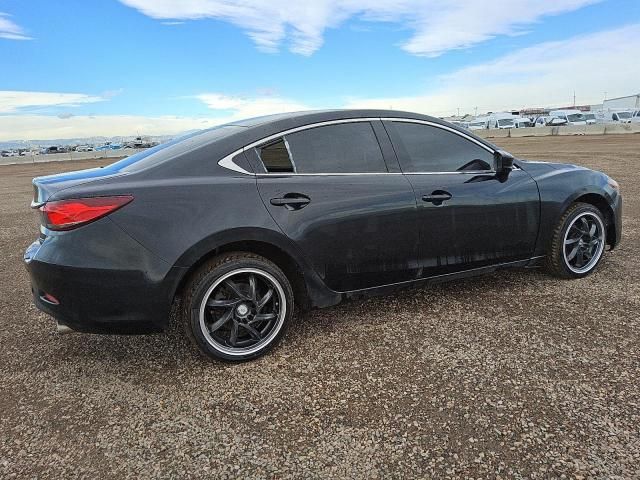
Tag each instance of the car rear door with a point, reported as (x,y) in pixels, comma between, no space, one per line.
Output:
(330,190)
(469,217)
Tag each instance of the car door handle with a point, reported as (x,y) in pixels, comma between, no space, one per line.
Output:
(437,197)
(291,202)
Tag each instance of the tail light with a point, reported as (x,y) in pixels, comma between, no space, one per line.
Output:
(72,213)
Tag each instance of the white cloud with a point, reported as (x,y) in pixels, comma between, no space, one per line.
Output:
(25,127)
(12,101)
(10,30)
(438,25)
(546,74)
(540,75)
(245,107)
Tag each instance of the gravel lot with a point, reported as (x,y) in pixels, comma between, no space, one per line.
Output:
(511,375)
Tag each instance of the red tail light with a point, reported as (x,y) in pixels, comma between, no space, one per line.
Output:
(70,214)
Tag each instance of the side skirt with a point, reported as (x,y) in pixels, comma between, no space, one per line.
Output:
(474,272)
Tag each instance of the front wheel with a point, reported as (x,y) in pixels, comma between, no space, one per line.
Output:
(237,306)
(578,242)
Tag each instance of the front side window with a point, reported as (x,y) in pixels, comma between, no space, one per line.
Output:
(433,149)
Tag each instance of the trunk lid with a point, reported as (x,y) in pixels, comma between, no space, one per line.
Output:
(47,186)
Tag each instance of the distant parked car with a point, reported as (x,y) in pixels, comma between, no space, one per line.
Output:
(636,117)
(570,117)
(621,117)
(590,118)
(54,149)
(478,124)
(548,121)
(522,122)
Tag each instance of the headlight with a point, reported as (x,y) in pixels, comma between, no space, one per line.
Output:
(613,184)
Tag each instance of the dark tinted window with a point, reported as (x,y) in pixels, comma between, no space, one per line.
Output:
(432,149)
(275,157)
(341,148)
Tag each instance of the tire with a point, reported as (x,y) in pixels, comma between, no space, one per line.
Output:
(578,242)
(239,292)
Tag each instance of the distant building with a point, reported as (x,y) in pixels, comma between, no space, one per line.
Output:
(630,102)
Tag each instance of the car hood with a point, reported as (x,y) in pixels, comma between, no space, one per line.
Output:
(539,168)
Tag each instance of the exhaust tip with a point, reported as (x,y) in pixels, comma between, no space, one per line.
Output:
(63,329)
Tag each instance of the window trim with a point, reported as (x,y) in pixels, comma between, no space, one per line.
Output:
(228,163)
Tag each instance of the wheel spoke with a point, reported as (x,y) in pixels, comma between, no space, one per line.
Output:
(262,317)
(571,241)
(263,301)
(573,253)
(221,303)
(584,224)
(592,230)
(580,259)
(221,321)
(252,331)
(231,285)
(233,337)
(252,287)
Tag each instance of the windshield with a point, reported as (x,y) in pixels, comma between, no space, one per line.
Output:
(575,117)
(589,116)
(624,115)
(505,121)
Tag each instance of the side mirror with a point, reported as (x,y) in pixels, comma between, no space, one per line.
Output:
(504,162)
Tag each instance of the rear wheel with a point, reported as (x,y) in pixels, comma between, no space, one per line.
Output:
(237,306)
(578,242)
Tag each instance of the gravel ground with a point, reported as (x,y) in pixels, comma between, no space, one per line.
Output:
(512,375)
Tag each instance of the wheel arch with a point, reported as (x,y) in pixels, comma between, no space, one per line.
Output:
(599,201)
(309,290)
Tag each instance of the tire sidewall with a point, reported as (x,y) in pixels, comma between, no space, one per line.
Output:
(568,221)
(200,288)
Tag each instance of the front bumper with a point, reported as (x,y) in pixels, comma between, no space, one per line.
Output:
(617,220)
(97,279)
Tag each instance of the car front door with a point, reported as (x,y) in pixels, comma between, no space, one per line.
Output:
(329,189)
(469,217)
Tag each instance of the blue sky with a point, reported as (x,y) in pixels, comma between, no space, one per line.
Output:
(75,68)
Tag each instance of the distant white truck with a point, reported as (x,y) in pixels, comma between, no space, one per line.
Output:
(622,117)
(501,120)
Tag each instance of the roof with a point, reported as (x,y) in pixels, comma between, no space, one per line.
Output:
(311,116)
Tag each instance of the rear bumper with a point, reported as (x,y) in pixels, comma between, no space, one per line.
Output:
(95,285)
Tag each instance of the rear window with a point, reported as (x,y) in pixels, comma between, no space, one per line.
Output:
(154,155)
(342,148)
